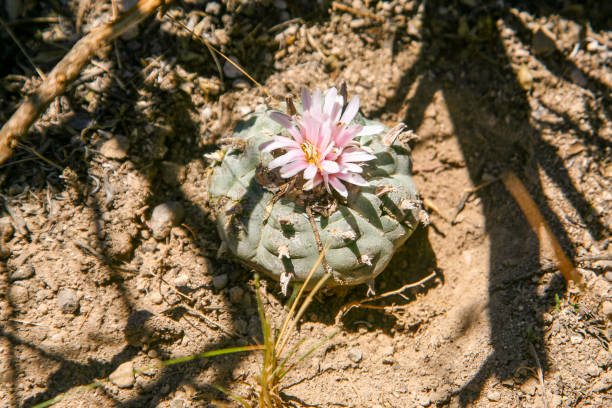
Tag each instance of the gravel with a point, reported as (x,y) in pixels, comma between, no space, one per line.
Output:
(68,301)
(164,217)
(220,281)
(123,376)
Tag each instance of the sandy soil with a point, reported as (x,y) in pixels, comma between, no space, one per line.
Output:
(89,285)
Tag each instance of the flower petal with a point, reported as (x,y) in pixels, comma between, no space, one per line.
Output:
(351,110)
(356,156)
(290,156)
(330,100)
(330,166)
(288,123)
(277,143)
(338,186)
(292,169)
(371,130)
(353,179)
(312,183)
(306,101)
(315,108)
(310,171)
(352,167)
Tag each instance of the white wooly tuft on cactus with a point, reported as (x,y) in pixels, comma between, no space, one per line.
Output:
(353,173)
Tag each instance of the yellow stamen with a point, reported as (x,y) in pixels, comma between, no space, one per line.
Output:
(311,153)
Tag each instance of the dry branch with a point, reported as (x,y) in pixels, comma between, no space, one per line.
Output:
(540,227)
(67,70)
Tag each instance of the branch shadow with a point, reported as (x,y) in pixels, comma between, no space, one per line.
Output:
(490,114)
(172,141)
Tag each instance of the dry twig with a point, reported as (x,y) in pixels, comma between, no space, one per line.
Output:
(67,70)
(539,226)
(360,303)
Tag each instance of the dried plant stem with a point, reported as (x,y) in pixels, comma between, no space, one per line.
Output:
(360,303)
(67,70)
(539,226)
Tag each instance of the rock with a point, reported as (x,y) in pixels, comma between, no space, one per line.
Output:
(606,309)
(220,281)
(357,23)
(235,294)
(355,355)
(593,370)
(177,403)
(123,376)
(604,383)
(576,339)
(181,280)
(67,300)
(164,217)
(222,37)
(18,294)
(543,42)
(119,244)
(143,327)
(25,271)
(115,147)
(494,396)
(213,8)
(173,174)
(387,351)
(530,386)
(155,297)
(604,265)
(6,229)
(230,70)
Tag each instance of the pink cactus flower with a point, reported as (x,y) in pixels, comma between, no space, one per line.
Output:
(322,142)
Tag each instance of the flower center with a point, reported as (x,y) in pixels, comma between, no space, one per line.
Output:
(311,153)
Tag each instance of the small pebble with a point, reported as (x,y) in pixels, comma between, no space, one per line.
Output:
(213,8)
(18,294)
(182,280)
(604,265)
(222,37)
(357,23)
(156,297)
(424,400)
(220,281)
(576,339)
(530,386)
(123,376)
(543,41)
(67,300)
(593,370)
(494,396)
(25,271)
(235,294)
(173,174)
(355,355)
(177,403)
(164,217)
(606,309)
(229,70)
(115,147)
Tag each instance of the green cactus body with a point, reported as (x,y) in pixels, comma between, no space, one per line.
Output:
(275,236)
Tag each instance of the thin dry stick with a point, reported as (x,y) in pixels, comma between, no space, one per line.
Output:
(539,226)
(540,375)
(10,32)
(67,70)
(360,303)
(343,7)
(315,231)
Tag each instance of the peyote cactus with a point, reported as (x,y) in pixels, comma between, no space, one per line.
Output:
(263,219)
